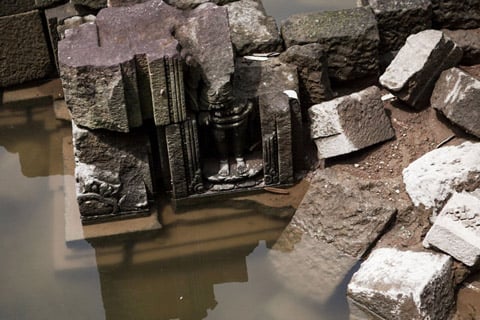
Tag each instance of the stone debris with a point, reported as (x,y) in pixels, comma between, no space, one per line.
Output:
(112,171)
(469,42)
(413,80)
(456,96)
(401,285)
(347,212)
(252,30)
(399,19)
(350,39)
(312,67)
(24,54)
(350,123)
(454,14)
(434,177)
(456,230)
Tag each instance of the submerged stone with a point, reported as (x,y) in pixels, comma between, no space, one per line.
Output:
(456,230)
(350,39)
(309,267)
(413,80)
(456,96)
(349,123)
(399,19)
(401,285)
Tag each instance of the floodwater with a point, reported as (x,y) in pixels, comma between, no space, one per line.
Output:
(213,263)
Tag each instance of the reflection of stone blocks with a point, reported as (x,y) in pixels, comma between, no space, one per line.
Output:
(456,230)
(113,174)
(404,284)
(24,54)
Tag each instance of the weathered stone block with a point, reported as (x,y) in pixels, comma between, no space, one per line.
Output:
(345,211)
(401,285)
(399,19)
(456,95)
(191,4)
(209,53)
(454,14)
(94,4)
(349,123)
(112,171)
(252,31)
(350,39)
(24,52)
(469,42)
(433,178)
(456,230)
(56,19)
(413,80)
(311,62)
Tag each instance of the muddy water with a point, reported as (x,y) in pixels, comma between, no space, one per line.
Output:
(211,264)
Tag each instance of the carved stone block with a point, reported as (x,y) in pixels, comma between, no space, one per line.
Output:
(112,171)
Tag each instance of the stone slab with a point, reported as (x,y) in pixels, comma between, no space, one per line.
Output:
(456,96)
(434,177)
(350,123)
(404,285)
(24,54)
(413,80)
(350,39)
(456,230)
(345,211)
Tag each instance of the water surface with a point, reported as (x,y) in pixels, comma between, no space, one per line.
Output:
(195,268)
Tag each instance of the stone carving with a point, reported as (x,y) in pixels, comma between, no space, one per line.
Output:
(216,123)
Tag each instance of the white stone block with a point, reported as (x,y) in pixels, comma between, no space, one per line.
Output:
(404,285)
(456,230)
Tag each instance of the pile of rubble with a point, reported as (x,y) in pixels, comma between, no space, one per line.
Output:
(353,218)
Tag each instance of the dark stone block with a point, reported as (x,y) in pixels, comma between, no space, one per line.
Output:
(349,37)
(399,19)
(453,14)
(24,54)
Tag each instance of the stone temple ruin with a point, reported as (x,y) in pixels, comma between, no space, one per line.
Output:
(160,103)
